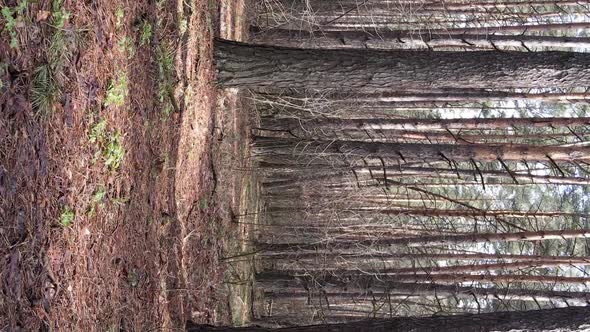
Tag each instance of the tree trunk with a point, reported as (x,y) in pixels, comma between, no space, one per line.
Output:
(387,39)
(323,6)
(392,172)
(424,124)
(429,270)
(438,240)
(366,278)
(422,152)
(364,256)
(243,65)
(560,318)
(420,289)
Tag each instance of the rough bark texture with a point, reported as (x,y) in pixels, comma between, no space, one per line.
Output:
(319,6)
(387,39)
(436,240)
(425,124)
(429,289)
(351,256)
(364,278)
(468,95)
(572,318)
(413,151)
(252,66)
(392,172)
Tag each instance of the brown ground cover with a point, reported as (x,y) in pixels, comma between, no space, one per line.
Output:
(122,167)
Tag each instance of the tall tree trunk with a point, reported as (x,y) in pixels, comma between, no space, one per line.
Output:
(438,240)
(422,152)
(387,39)
(323,6)
(428,289)
(253,66)
(363,256)
(392,172)
(448,96)
(423,124)
(365,278)
(429,270)
(561,318)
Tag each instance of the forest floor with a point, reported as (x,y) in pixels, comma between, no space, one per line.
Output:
(122,166)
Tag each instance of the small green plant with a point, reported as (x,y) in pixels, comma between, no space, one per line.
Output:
(119,14)
(98,132)
(114,152)
(99,195)
(110,147)
(67,217)
(46,86)
(60,15)
(12,22)
(117,91)
(146,34)
(59,51)
(96,200)
(204,203)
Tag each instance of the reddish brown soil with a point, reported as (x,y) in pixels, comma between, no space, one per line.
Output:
(145,255)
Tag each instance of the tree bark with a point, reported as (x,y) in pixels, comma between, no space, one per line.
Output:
(421,289)
(392,172)
(422,152)
(243,65)
(330,255)
(437,240)
(561,318)
(430,270)
(387,39)
(322,6)
(424,124)
(365,278)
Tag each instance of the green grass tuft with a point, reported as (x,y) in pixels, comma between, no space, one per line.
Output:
(45,89)
(48,78)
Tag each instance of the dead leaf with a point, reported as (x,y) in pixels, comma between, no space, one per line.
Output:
(43,15)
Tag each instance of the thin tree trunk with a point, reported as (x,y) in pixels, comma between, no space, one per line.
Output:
(424,124)
(243,65)
(428,171)
(410,290)
(430,270)
(323,6)
(366,278)
(421,152)
(470,96)
(438,240)
(463,96)
(561,318)
(330,255)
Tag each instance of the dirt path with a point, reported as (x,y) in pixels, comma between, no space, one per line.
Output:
(114,206)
